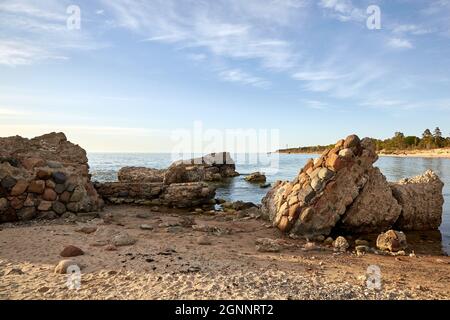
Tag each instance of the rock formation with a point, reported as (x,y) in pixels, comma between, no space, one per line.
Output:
(421,200)
(212,167)
(180,195)
(182,185)
(141,174)
(342,190)
(256,177)
(44,177)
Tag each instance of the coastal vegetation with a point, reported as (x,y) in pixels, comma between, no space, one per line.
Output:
(399,142)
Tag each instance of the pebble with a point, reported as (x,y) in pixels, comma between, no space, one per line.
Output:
(123,239)
(71,251)
(62,266)
(204,241)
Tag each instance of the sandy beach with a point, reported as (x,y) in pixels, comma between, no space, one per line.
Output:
(435,153)
(215,259)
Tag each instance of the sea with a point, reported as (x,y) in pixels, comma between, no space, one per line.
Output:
(104,168)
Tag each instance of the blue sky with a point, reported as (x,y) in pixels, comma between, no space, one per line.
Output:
(137,70)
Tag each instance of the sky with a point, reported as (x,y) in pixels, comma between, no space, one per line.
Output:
(147,76)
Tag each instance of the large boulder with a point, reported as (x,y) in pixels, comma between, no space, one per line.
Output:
(212,167)
(343,191)
(375,209)
(316,200)
(141,174)
(421,200)
(35,173)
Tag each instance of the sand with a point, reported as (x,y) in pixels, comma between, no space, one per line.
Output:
(167,262)
(435,153)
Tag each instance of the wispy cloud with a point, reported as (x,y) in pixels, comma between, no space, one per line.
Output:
(340,80)
(15,53)
(239,76)
(33,31)
(12,112)
(316,76)
(343,10)
(399,43)
(244,30)
(411,29)
(315,104)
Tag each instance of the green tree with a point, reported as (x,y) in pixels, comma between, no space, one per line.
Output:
(426,133)
(437,133)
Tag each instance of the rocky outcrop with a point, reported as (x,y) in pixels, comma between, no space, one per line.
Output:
(181,195)
(212,167)
(316,200)
(342,190)
(141,174)
(44,177)
(256,177)
(375,209)
(421,200)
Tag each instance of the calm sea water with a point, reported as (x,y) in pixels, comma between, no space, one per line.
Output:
(104,167)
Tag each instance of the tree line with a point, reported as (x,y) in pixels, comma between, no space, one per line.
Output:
(428,140)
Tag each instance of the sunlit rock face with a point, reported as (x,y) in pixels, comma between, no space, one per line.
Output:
(44,177)
(342,190)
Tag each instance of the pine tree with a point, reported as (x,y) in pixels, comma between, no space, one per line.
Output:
(437,133)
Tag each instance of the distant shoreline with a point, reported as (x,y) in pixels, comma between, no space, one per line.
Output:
(434,153)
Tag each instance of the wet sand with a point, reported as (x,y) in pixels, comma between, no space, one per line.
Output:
(168,262)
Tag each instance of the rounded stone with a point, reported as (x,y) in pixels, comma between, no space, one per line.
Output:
(16,203)
(43,174)
(59,207)
(49,195)
(8,182)
(352,141)
(37,186)
(341,244)
(20,187)
(60,188)
(325,174)
(346,153)
(71,251)
(59,177)
(316,184)
(63,265)
(65,197)
(44,206)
